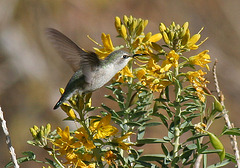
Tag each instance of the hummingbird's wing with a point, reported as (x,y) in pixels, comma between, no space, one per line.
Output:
(89,64)
(68,50)
(74,55)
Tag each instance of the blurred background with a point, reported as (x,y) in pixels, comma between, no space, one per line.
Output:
(31,71)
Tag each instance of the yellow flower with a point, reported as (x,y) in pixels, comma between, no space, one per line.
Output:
(191,44)
(152,77)
(107,47)
(200,127)
(102,128)
(121,75)
(81,164)
(198,82)
(110,157)
(120,141)
(66,144)
(171,60)
(82,135)
(65,141)
(202,59)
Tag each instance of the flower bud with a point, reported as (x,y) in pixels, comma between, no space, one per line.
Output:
(117,22)
(123,32)
(147,37)
(186,37)
(155,37)
(35,127)
(133,26)
(125,20)
(145,23)
(162,27)
(140,28)
(184,29)
(33,132)
(165,37)
(48,129)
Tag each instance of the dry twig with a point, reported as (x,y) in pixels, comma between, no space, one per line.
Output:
(8,140)
(233,138)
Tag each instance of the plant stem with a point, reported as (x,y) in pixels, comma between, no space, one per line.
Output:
(177,115)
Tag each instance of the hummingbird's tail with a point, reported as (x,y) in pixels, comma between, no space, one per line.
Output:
(66,95)
(58,104)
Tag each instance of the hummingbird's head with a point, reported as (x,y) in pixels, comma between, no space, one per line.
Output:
(119,59)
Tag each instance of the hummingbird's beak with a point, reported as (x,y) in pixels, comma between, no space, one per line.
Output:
(135,55)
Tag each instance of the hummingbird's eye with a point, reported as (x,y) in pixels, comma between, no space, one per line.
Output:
(125,56)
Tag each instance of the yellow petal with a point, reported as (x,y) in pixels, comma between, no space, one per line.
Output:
(140,73)
(155,37)
(193,40)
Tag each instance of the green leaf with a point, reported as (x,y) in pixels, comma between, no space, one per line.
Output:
(141,132)
(232,131)
(117,120)
(192,116)
(211,151)
(134,154)
(202,149)
(185,155)
(192,146)
(110,97)
(220,164)
(54,164)
(138,114)
(150,141)
(165,150)
(163,118)
(29,156)
(107,108)
(142,164)
(133,124)
(152,157)
(197,136)
(230,157)
(150,124)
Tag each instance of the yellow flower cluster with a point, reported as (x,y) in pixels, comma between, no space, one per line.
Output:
(178,37)
(201,59)
(82,140)
(171,60)
(132,30)
(40,135)
(198,82)
(151,75)
(68,146)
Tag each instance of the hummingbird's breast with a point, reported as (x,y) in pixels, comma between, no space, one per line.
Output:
(101,76)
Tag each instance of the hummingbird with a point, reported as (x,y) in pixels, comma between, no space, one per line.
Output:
(91,73)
